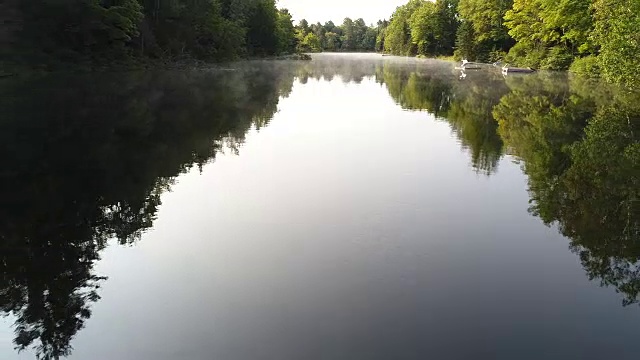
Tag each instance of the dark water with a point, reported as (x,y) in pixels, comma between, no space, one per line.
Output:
(353,207)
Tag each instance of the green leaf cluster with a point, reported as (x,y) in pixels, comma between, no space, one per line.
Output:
(550,34)
(486,31)
(617,34)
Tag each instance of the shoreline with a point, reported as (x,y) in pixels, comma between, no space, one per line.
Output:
(12,70)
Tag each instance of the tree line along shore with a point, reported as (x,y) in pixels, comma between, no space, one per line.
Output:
(588,37)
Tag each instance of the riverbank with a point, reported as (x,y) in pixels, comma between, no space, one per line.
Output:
(185,63)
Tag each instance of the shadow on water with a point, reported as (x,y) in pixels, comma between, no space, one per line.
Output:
(86,159)
(579,146)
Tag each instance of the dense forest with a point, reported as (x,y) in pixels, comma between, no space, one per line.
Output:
(51,32)
(591,37)
(349,36)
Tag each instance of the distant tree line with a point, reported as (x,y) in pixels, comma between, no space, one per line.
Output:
(349,36)
(594,37)
(104,31)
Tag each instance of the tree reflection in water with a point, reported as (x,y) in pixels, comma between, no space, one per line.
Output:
(581,152)
(87,157)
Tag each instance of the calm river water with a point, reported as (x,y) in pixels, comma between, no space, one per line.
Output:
(351,207)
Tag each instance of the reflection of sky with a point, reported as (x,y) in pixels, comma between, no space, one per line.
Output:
(350,229)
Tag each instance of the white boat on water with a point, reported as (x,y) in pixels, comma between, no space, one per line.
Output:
(510,70)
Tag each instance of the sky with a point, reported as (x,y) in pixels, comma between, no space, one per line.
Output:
(336,10)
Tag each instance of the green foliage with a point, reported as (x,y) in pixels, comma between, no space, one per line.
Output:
(350,36)
(616,33)
(572,22)
(52,32)
(310,43)
(447,26)
(523,55)
(286,33)
(332,41)
(319,30)
(422,24)
(396,38)
(487,20)
(368,42)
(422,28)
(540,57)
(542,34)
(465,41)
(586,66)
(356,36)
(197,29)
(556,30)
(433,28)
(381,35)
(524,21)
(262,25)
(304,26)
(398,34)
(201,32)
(497,55)
(65,30)
(557,58)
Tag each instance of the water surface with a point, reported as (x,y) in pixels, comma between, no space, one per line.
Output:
(352,207)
